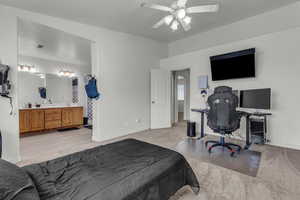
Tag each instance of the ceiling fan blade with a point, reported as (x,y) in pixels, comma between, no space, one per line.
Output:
(157,7)
(160,23)
(203,9)
(185,26)
(181,3)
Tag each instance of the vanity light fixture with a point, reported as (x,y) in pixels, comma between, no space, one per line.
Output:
(27,68)
(66,73)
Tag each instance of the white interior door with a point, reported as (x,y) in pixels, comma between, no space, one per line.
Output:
(160,99)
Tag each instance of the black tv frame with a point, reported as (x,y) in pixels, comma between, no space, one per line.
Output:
(232,55)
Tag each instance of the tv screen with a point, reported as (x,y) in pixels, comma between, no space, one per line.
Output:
(240,64)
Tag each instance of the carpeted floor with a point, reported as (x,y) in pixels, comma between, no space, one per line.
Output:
(278,176)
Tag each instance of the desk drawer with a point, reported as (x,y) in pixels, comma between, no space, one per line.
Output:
(53,115)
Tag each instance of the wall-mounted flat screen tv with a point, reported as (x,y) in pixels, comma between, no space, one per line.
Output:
(240,64)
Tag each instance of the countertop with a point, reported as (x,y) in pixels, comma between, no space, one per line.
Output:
(50,107)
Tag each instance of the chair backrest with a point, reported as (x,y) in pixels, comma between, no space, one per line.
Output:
(222,116)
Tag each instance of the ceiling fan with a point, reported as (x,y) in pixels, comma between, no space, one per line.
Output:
(178,13)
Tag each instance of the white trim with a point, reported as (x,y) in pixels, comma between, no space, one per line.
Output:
(96,60)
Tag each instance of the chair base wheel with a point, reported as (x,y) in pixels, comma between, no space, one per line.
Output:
(228,146)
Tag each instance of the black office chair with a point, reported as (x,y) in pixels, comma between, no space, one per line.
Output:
(222,117)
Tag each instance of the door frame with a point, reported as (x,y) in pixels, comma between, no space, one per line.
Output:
(174,102)
(96,57)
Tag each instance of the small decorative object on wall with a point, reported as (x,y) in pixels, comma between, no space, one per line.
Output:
(203,85)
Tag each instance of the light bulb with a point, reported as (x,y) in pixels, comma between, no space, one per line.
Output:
(174,25)
(187,20)
(168,20)
(181,14)
(32,70)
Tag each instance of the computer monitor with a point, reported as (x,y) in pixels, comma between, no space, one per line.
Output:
(256,99)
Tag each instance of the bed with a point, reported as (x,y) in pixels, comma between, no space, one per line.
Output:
(125,170)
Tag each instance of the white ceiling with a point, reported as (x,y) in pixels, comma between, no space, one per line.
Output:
(58,46)
(127,16)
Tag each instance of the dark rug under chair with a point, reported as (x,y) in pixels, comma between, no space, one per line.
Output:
(246,162)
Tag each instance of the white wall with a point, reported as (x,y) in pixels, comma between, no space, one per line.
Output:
(277,20)
(9,125)
(277,67)
(123,74)
(181,106)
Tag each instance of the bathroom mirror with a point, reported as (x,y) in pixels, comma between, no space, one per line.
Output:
(59,90)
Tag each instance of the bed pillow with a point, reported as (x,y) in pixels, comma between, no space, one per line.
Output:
(15,183)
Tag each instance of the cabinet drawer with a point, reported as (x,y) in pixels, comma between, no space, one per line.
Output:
(52,124)
(53,115)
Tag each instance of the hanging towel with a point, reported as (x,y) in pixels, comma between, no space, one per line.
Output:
(43,92)
(91,89)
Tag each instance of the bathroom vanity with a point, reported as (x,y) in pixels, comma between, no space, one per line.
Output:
(44,119)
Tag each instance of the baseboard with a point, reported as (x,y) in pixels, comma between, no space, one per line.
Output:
(121,135)
(288,146)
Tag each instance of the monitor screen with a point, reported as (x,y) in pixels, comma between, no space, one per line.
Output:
(240,64)
(256,99)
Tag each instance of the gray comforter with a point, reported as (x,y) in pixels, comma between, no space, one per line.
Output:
(127,170)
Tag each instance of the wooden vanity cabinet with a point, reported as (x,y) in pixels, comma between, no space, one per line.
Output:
(24,121)
(53,118)
(37,120)
(77,116)
(67,117)
(72,116)
(32,120)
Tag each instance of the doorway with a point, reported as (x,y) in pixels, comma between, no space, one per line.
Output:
(180,96)
(55,113)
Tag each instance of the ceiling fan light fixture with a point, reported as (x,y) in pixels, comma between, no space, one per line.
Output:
(175,25)
(187,20)
(168,20)
(181,13)
(178,13)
